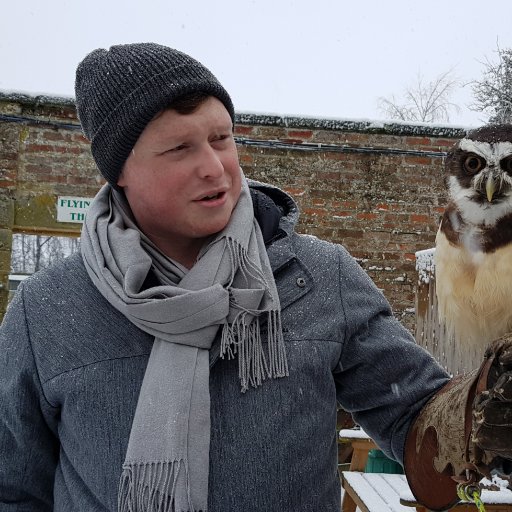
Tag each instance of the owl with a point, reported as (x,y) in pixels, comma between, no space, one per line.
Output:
(473,257)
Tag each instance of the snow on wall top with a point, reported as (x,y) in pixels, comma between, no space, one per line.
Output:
(287,121)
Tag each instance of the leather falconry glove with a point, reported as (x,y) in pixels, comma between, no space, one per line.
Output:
(464,431)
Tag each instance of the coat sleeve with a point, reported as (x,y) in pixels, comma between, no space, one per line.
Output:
(383,377)
(28,447)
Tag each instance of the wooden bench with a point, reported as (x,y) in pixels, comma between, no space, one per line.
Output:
(361,445)
(494,501)
(375,492)
(383,492)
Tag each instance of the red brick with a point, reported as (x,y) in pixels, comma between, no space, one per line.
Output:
(295,191)
(417,160)
(418,141)
(300,134)
(39,169)
(367,216)
(315,211)
(58,135)
(246,159)
(288,140)
(443,142)
(350,204)
(60,178)
(39,148)
(78,180)
(420,218)
(243,130)
(80,137)
(338,213)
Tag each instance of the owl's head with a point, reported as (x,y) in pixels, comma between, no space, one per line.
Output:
(479,171)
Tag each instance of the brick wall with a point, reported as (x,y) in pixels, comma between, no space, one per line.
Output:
(376,188)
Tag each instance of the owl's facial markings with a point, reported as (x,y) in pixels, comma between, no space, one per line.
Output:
(478,217)
(492,186)
(473,208)
(492,153)
(482,168)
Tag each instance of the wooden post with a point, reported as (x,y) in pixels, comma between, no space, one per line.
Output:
(430,333)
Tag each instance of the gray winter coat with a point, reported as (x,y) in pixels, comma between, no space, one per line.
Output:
(71,368)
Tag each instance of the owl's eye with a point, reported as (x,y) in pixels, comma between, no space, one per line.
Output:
(506,165)
(473,163)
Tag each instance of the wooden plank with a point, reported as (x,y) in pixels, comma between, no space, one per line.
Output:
(382,492)
(362,493)
(463,507)
(494,501)
(389,487)
(351,499)
(375,492)
(361,449)
(361,444)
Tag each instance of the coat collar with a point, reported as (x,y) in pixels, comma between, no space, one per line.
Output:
(280,250)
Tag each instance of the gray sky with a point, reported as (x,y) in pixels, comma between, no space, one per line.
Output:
(322,58)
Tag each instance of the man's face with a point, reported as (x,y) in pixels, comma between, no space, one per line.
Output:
(182,179)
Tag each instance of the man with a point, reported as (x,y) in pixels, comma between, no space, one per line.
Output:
(190,358)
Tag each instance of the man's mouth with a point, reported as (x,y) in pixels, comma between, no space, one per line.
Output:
(212,197)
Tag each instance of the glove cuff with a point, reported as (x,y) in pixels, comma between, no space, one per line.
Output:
(439,451)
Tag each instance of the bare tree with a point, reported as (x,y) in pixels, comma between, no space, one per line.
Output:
(493,93)
(426,102)
(34,252)
(38,251)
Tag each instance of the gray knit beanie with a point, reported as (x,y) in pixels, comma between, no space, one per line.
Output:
(118,91)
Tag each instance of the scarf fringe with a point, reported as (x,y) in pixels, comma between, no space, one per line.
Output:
(254,363)
(243,335)
(246,268)
(151,487)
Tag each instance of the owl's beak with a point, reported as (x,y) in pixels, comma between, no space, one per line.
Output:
(490,187)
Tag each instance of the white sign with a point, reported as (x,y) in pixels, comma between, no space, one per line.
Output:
(72,209)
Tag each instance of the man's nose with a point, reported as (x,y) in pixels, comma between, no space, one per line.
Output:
(210,163)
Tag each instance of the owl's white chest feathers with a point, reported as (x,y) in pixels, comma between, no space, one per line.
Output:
(474,291)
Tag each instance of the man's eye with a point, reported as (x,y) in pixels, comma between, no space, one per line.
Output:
(220,138)
(181,147)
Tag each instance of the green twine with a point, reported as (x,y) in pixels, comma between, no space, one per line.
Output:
(470,493)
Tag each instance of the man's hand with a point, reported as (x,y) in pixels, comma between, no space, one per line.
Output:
(492,408)
(464,431)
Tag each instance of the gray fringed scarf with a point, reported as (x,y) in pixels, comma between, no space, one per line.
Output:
(232,286)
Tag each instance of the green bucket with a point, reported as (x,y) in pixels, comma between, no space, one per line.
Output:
(379,463)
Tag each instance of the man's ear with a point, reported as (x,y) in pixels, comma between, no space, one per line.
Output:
(120,180)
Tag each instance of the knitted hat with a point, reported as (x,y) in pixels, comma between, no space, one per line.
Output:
(118,91)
